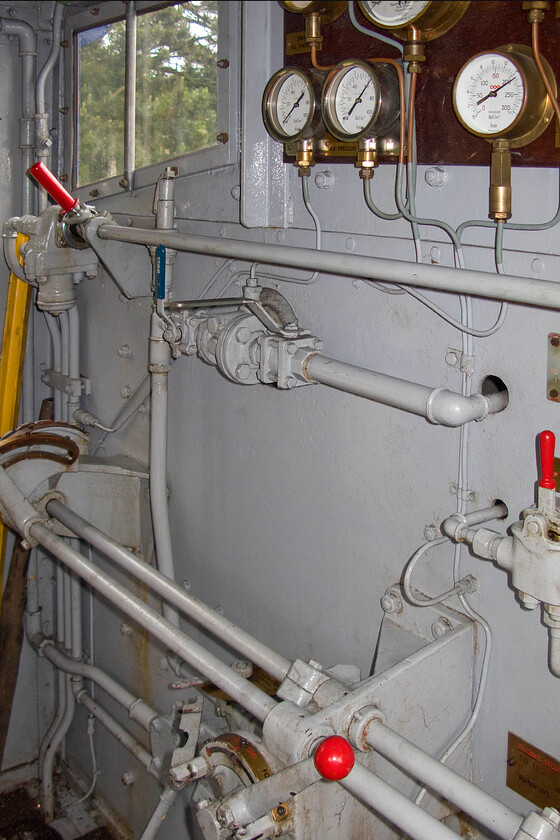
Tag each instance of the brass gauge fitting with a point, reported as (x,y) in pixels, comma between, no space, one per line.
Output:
(317,14)
(366,160)
(304,157)
(500,181)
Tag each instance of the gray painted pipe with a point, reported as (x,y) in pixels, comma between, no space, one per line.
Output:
(126,739)
(138,710)
(491,813)
(436,404)
(394,806)
(130,94)
(162,809)
(249,696)
(200,612)
(460,280)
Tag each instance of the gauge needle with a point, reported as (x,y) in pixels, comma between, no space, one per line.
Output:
(359,98)
(295,105)
(494,92)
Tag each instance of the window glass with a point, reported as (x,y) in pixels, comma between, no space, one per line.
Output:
(175,100)
(176,81)
(100,134)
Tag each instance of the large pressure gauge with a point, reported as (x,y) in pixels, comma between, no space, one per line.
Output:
(360,100)
(431,18)
(290,105)
(500,95)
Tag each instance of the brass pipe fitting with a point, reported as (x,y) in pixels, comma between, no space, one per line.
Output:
(500,181)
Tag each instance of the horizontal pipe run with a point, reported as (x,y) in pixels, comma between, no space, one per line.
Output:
(126,739)
(138,710)
(488,811)
(438,405)
(394,806)
(249,696)
(525,290)
(204,615)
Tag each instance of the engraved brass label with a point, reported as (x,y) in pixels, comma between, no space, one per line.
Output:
(295,43)
(533,773)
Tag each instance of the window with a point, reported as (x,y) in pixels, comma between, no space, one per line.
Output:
(167,104)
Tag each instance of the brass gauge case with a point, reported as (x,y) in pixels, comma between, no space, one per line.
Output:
(536,109)
(435,19)
(386,113)
(313,123)
(328,10)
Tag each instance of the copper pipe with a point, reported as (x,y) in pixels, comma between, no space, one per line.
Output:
(540,68)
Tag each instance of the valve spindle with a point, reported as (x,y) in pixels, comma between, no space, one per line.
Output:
(53,186)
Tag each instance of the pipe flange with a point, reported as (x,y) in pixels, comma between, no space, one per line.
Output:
(28,540)
(51,496)
(359,726)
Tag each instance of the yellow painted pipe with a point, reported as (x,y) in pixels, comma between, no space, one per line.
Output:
(11,365)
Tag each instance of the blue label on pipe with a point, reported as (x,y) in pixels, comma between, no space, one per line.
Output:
(160,272)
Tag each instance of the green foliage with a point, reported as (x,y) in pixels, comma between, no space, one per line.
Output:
(175,88)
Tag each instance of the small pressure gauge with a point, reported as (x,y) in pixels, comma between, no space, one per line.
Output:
(290,105)
(360,100)
(500,95)
(329,10)
(431,18)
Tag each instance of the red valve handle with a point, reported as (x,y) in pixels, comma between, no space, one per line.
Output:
(334,758)
(546,444)
(53,186)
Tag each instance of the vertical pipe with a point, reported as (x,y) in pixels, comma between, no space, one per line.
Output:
(65,360)
(53,325)
(130,95)
(74,402)
(162,809)
(43,142)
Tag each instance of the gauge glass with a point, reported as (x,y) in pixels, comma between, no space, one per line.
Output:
(393,13)
(288,104)
(489,94)
(352,100)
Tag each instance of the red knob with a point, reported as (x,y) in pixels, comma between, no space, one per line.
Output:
(53,186)
(546,444)
(334,758)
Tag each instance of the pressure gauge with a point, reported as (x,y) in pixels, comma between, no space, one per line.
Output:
(328,10)
(360,100)
(290,105)
(431,18)
(500,95)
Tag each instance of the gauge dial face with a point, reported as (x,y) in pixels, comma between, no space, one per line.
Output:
(393,13)
(489,94)
(351,100)
(288,104)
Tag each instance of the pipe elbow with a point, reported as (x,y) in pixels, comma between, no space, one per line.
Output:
(446,408)
(24,32)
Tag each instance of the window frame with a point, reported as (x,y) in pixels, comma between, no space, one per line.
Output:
(213,157)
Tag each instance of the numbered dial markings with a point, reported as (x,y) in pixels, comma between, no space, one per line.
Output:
(489,94)
(288,105)
(351,101)
(393,13)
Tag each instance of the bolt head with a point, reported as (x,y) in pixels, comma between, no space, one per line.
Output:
(290,382)
(391,602)
(243,372)
(127,778)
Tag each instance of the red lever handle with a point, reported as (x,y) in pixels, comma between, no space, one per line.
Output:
(546,444)
(53,186)
(334,758)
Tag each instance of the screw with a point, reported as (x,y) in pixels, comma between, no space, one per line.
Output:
(236,192)
(94,193)
(223,63)
(94,12)
(317,344)
(64,110)
(510,762)
(555,341)
(291,348)
(222,137)
(127,778)
(126,629)
(123,183)
(553,394)
(65,44)
(126,391)
(124,351)
(63,177)
(281,810)
(431,532)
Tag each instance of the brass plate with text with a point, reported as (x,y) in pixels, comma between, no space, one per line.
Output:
(533,773)
(295,44)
